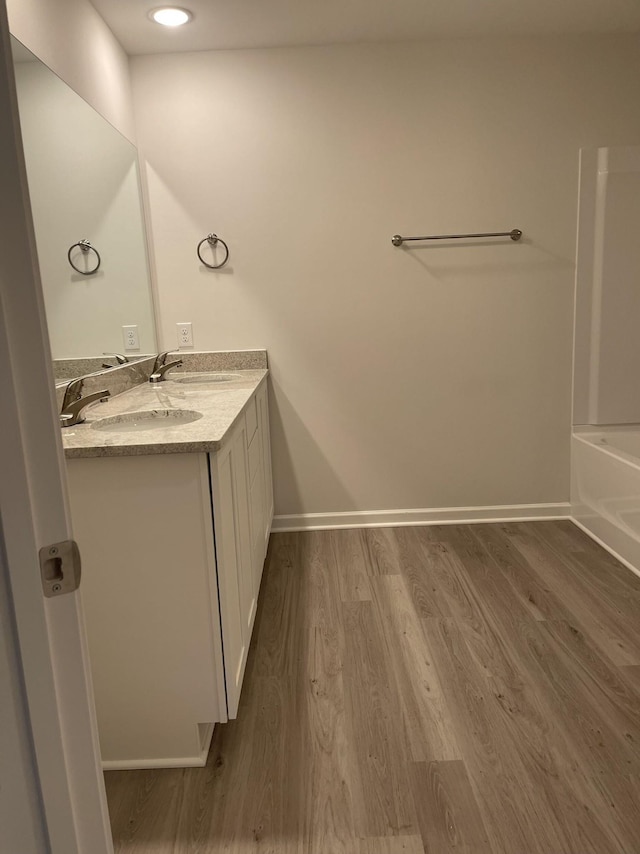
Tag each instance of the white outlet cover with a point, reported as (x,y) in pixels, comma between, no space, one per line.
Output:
(130,337)
(185,334)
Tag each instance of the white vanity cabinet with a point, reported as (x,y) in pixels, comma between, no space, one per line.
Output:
(172,549)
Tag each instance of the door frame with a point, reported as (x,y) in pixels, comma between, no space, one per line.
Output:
(51,641)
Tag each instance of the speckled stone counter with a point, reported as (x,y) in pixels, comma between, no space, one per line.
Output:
(68,369)
(219,403)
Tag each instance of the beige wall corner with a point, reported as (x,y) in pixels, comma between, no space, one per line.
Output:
(74,41)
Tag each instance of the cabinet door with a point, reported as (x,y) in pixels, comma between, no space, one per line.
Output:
(242,516)
(143,525)
(242,510)
(256,498)
(233,558)
(256,493)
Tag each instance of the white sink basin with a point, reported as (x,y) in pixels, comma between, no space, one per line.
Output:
(152,419)
(207,378)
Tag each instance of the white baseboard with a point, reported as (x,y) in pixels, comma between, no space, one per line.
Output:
(198,761)
(430,516)
(607,548)
(141,764)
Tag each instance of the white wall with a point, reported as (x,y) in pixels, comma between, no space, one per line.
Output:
(428,377)
(74,41)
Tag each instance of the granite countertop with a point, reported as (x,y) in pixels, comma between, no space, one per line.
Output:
(221,404)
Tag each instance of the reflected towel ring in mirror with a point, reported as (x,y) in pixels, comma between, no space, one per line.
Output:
(85,246)
(213,240)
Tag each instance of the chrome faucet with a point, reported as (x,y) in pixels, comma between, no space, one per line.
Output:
(73,403)
(161,366)
(120,360)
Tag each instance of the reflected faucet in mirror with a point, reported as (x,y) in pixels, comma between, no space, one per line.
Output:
(161,366)
(120,360)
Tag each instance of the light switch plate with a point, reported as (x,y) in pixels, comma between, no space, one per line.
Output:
(130,338)
(185,335)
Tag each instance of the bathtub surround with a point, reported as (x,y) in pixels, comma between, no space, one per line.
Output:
(605,447)
(403,378)
(605,485)
(607,346)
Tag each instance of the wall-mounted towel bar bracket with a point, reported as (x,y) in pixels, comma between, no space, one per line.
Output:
(213,240)
(514,234)
(85,247)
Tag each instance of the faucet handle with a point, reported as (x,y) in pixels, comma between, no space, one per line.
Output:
(159,374)
(160,360)
(72,392)
(72,414)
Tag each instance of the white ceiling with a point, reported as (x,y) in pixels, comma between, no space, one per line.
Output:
(270,23)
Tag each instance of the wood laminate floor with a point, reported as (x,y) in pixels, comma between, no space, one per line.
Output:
(472,689)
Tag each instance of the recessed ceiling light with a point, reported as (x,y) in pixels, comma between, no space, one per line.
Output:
(171,16)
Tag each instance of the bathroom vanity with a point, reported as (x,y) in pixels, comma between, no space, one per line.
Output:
(173,521)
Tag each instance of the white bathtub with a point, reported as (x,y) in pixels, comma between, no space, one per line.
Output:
(605,488)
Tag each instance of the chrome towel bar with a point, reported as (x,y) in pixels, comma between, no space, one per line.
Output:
(514,234)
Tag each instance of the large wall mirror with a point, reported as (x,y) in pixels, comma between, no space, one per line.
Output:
(84,185)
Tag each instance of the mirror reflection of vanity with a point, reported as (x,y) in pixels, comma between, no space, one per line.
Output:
(84,186)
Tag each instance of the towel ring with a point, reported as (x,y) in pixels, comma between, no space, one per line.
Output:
(86,246)
(213,240)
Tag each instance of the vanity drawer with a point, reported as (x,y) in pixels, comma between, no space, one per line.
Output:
(252,420)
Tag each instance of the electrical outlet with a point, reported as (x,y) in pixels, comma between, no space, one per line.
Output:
(185,335)
(130,338)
